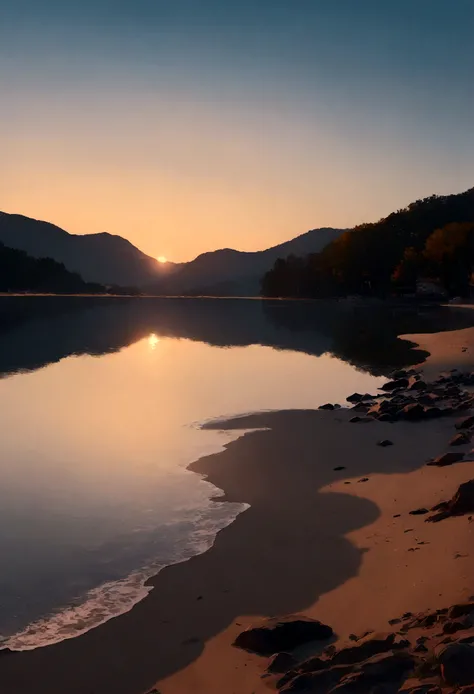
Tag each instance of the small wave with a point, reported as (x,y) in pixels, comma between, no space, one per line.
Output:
(117,597)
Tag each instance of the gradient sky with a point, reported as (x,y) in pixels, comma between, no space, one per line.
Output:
(190,125)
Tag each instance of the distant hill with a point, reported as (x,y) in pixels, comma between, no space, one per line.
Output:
(19,272)
(238,273)
(432,237)
(103,258)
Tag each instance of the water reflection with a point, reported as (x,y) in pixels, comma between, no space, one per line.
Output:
(36,331)
(94,488)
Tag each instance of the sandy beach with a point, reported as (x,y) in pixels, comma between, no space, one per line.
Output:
(314,541)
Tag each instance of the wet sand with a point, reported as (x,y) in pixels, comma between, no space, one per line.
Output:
(308,543)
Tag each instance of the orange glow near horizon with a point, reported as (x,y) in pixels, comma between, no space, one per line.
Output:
(162,259)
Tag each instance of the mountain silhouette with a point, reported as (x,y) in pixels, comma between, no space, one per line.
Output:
(103,258)
(228,272)
(112,260)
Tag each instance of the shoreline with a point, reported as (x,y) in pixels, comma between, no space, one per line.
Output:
(302,515)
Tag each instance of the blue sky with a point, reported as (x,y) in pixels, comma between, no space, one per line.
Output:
(187,125)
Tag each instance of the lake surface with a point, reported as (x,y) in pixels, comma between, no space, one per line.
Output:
(101,405)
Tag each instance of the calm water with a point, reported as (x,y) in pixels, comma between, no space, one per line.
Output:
(101,405)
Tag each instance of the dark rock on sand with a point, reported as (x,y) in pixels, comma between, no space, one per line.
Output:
(419,512)
(465,422)
(360,407)
(384,443)
(282,634)
(428,398)
(322,681)
(365,648)
(415,384)
(338,468)
(457,664)
(384,668)
(461,610)
(461,503)
(446,459)
(386,417)
(355,397)
(433,412)
(401,383)
(355,420)
(327,406)
(281,662)
(413,413)
(455,625)
(460,439)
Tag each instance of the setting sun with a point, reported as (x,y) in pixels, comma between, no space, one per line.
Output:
(162,259)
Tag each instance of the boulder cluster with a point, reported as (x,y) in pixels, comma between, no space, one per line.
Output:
(430,653)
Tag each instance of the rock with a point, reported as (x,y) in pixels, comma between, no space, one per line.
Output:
(415,384)
(313,664)
(421,648)
(464,405)
(364,479)
(419,512)
(457,664)
(385,417)
(338,468)
(415,687)
(426,621)
(460,610)
(384,443)
(433,412)
(401,383)
(360,407)
(282,634)
(428,398)
(400,373)
(460,439)
(355,397)
(446,459)
(327,406)
(385,667)
(365,648)
(465,422)
(321,681)
(413,413)
(456,625)
(365,420)
(355,419)
(461,503)
(281,662)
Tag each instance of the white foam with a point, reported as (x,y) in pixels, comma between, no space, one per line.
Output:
(117,597)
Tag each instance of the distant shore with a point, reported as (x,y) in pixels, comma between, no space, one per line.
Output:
(333,545)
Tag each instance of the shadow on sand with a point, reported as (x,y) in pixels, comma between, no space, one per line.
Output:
(281,554)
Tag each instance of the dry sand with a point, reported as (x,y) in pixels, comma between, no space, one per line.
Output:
(313,541)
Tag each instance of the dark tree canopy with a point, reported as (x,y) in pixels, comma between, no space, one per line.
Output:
(19,272)
(386,256)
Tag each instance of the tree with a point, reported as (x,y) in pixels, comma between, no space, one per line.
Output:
(449,254)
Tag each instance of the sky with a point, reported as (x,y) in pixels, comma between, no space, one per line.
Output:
(191,125)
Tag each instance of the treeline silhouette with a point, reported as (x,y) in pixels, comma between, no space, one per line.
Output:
(20,272)
(431,239)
